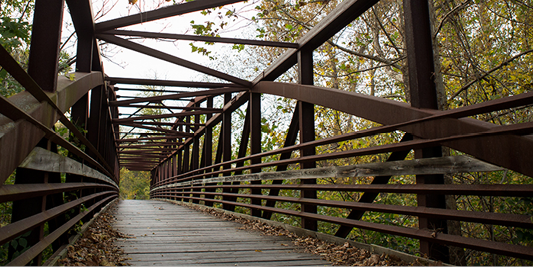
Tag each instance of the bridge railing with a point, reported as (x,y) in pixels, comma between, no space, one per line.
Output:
(259,192)
(53,180)
(286,181)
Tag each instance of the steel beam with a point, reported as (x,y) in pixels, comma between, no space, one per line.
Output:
(166,131)
(423,94)
(345,12)
(159,82)
(160,35)
(177,96)
(208,146)
(163,116)
(498,150)
(306,111)
(162,13)
(19,139)
(82,17)
(45,43)
(226,141)
(172,59)
(254,109)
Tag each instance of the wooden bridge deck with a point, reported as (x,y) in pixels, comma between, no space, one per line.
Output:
(167,234)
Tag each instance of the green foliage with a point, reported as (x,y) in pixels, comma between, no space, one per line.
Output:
(19,245)
(134,184)
(15,32)
(6,208)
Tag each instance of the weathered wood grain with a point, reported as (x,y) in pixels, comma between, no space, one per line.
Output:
(43,160)
(168,234)
(442,165)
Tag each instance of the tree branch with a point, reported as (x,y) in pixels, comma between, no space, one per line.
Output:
(489,72)
(385,31)
(384,61)
(449,14)
(359,71)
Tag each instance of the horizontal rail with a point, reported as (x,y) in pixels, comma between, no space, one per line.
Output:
(13,112)
(444,165)
(504,190)
(415,144)
(31,253)
(19,146)
(22,191)
(17,228)
(390,112)
(31,86)
(43,160)
(523,221)
(488,106)
(177,96)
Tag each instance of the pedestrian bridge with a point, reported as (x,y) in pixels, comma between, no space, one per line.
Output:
(60,180)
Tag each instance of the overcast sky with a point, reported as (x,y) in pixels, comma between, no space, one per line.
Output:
(137,65)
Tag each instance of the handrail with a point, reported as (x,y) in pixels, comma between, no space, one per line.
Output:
(13,112)
(31,253)
(31,86)
(488,106)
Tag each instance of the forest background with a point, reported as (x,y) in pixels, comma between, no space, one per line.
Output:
(482,49)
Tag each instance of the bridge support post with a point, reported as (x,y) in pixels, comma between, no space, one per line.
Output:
(424,95)
(195,157)
(208,150)
(255,144)
(186,151)
(226,149)
(80,110)
(307,133)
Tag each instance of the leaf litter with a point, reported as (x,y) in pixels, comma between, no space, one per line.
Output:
(97,247)
(337,255)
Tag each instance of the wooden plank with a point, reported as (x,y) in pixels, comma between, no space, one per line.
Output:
(156,241)
(167,234)
(255,257)
(157,236)
(443,165)
(265,263)
(204,248)
(214,255)
(44,160)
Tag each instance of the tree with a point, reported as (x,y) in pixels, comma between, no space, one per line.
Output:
(134,184)
(15,29)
